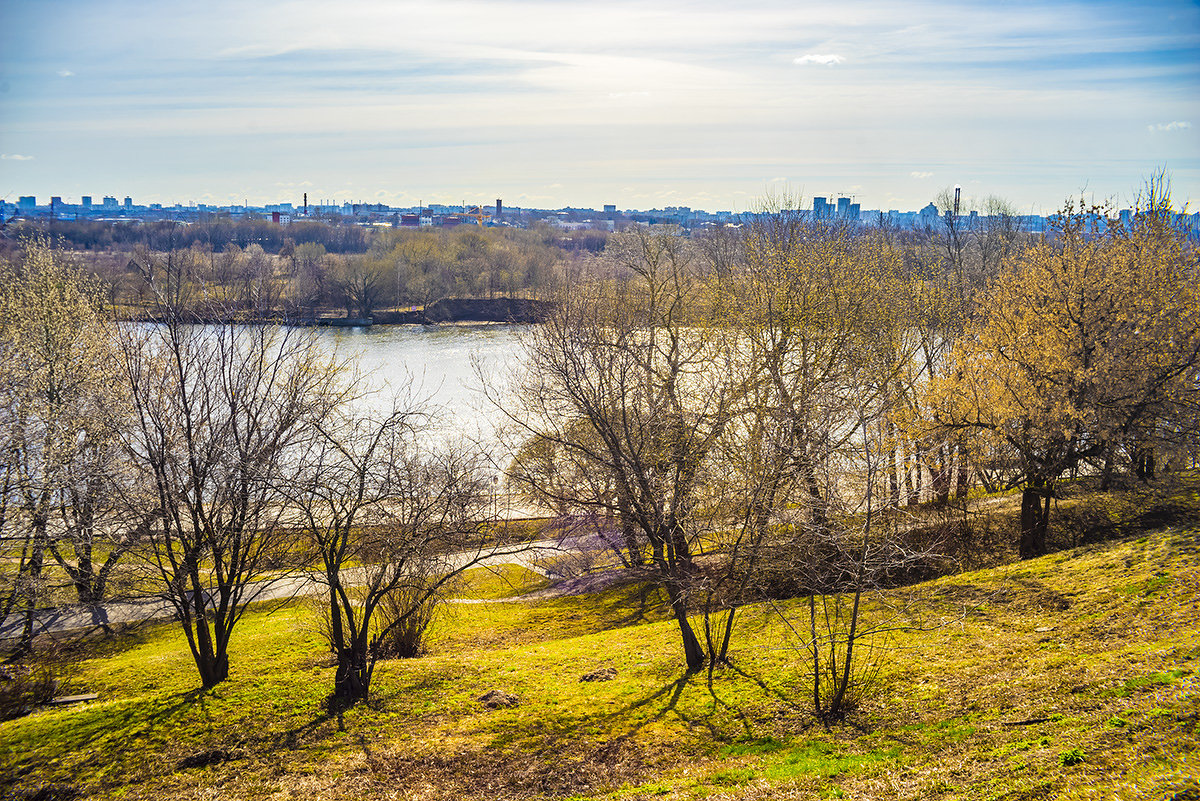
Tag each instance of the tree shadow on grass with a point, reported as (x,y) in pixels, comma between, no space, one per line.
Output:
(720,713)
(97,736)
(635,604)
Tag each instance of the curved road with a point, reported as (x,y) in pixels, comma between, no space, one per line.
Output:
(137,610)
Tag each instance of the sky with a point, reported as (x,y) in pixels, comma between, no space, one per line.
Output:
(553,103)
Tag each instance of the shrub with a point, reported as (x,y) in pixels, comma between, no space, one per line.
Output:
(405,604)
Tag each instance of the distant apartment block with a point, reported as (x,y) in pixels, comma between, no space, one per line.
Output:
(843,207)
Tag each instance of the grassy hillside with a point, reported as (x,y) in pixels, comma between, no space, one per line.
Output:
(1071,676)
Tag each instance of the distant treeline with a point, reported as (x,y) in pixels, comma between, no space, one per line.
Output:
(398,269)
(217,233)
(255,269)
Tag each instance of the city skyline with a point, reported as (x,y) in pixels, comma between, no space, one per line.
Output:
(550,105)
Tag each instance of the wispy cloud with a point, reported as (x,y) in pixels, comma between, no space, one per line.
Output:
(1174,125)
(15,157)
(825,59)
(508,96)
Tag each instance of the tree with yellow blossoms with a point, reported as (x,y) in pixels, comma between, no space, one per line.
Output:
(1087,347)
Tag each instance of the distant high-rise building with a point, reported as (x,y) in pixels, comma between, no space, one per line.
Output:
(109,202)
(820,208)
(128,202)
(843,207)
(55,201)
(610,208)
(499,207)
(27,202)
(86,201)
(854,211)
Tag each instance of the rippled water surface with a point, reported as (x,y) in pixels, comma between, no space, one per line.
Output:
(437,362)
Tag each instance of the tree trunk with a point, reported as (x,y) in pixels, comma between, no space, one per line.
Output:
(893,460)
(722,655)
(1035,516)
(820,514)
(816,654)
(693,652)
(963,481)
(352,680)
(31,587)
(212,657)
(1106,473)
(629,532)
(918,488)
(941,476)
(911,495)
(985,480)
(214,669)
(1144,463)
(893,478)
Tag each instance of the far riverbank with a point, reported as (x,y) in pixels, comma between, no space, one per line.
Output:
(447,310)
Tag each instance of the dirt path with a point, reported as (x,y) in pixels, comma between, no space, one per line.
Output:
(532,556)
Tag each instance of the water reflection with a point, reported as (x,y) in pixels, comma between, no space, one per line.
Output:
(436,362)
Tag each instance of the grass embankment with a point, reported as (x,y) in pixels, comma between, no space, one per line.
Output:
(1071,676)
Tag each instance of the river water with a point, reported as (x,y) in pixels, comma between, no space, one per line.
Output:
(440,364)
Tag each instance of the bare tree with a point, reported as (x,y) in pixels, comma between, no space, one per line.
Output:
(360,284)
(218,414)
(824,339)
(392,527)
(842,567)
(997,234)
(310,277)
(631,383)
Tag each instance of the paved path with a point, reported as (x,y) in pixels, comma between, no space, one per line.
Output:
(137,610)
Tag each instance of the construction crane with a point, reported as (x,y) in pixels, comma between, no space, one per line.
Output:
(477,214)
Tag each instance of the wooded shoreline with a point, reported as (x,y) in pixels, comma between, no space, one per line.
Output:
(447,310)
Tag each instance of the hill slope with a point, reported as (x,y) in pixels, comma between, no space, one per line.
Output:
(1070,676)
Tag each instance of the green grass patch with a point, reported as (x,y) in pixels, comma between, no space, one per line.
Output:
(992,682)
(499,583)
(1141,683)
(1146,587)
